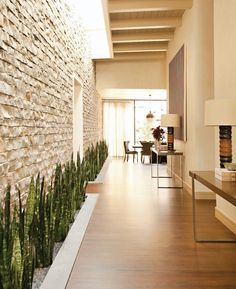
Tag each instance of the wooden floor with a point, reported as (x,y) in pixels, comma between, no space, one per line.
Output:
(141,238)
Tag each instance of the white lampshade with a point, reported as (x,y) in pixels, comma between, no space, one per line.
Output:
(220,112)
(170,120)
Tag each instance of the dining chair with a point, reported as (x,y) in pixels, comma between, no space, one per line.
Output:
(146,150)
(129,152)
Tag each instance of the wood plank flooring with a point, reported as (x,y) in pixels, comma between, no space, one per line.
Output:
(141,238)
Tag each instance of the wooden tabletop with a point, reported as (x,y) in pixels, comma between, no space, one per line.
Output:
(166,153)
(226,190)
(137,146)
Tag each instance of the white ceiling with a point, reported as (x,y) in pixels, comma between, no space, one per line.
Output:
(147,94)
(139,28)
(131,29)
(121,29)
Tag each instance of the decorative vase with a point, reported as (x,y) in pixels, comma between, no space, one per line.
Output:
(157,144)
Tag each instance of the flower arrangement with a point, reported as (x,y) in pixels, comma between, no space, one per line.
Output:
(158,133)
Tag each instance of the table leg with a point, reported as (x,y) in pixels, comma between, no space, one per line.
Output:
(151,165)
(195,223)
(157,173)
(194,210)
(170,176)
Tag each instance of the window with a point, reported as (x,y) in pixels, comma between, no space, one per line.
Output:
(143,126)
(126,120)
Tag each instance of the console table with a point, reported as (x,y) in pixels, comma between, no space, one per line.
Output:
(227,190)
(171,154)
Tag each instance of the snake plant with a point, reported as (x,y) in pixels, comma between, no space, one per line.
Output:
(5,243)
(28,235)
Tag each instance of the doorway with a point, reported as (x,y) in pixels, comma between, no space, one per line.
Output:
(126,120)
(77,119)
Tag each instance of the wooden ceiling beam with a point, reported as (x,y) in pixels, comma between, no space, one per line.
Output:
(142,37)
(139,56)
(145,23)
(145,56)
(120,6)
(140,47)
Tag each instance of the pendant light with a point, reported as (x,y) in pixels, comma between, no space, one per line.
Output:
(150,116)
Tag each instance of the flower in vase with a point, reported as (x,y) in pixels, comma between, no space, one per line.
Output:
(158,133)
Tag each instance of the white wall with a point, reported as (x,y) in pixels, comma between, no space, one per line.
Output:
(196,33)
(133,74)
(225,71)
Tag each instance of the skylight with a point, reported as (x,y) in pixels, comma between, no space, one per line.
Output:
(94,14)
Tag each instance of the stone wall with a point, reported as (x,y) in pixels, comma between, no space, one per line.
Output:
(41,49)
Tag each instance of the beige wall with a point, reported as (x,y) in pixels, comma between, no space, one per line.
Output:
(134,74)
(225,56)
(225,67)
(196,33)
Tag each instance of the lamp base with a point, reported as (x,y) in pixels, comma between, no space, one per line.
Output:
(225,145)
(170,138)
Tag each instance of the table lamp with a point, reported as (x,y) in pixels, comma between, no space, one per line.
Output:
(170,121)
(222,113)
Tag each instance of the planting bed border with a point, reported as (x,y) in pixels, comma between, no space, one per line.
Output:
(60,270)
(100,177)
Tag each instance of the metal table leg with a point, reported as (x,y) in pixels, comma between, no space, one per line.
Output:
(168,177)
(195,224)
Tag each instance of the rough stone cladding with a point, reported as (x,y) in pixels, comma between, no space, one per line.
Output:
(42,49)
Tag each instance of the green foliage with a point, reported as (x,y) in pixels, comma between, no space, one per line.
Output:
(43,226)
(28,233)
(28,245)
(5,242)
(94,159)
(17,256)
